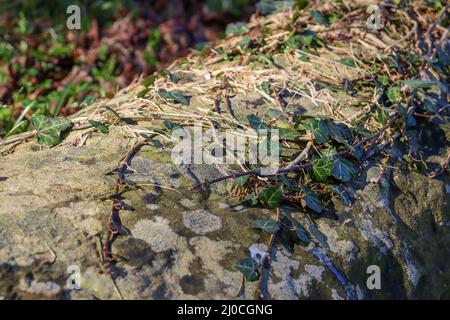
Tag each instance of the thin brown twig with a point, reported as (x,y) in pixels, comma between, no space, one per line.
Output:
(372,140)
(115,227)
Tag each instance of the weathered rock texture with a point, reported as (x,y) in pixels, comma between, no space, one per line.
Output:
(54,210)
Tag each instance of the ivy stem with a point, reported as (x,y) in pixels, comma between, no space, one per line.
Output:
(290,168)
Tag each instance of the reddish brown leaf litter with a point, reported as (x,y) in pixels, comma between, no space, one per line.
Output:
(140,41)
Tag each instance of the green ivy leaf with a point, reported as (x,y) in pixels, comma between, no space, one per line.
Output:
(306,39)
(320,18)
(318,128)
(100,127)
(241,181)
(348,62)
(423,84)
(142,93)
(301,4)
(236,28)
(175,95)
(249,268)
(393,94)
(173,77)
(149,80)
(312,201)
(255,122)
(272,196)
(299,40)
(381,116)
(274,113)
(111,113)
(170,125)
(288,134)
(265,87)
(303,58)
(49,129)
(251,199)
(151,141)
(343,169)
(322,168)
(267,225)
(158,130)
(301,232)
(328,152)
(384,80)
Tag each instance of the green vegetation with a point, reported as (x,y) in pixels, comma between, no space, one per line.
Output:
(45,69)
(378,88)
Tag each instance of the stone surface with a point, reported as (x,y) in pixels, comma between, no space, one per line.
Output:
(52,200)
(55,203)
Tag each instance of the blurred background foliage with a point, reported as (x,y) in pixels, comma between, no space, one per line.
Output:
(47,69)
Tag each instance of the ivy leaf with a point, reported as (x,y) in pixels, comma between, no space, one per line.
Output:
(288,134)
(322,168)
(328,152)
(348,62)
(151,141)
(206,191)
(267,225)
(302,233)
(343,169)
(49,129)
(306,39)
(240,181)
(236,28)
(142,93)
(251,199)
(417,84)
(357,152)
(255,122)
(318,128)
(393,94)
(175,95)
(296,40)
(342,194)
(337,133)
(158,130)
(312,201)
(249,268)
(274,113)
(173,77)
(301,4)
(320,18)
(272,196)
(100,127)
(170,125)
(303,58)
(149,80)
(113,113)
(265,87)
(384,80)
